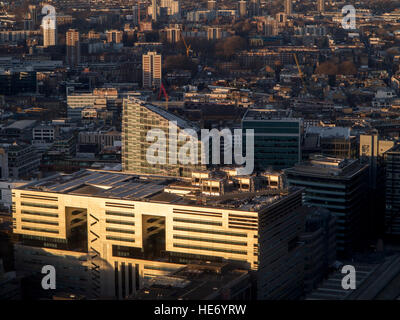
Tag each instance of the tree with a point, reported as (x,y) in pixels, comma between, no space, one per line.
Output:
(328,68)
(347,68)
(230,46)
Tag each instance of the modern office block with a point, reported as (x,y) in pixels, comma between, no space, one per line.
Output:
(138,119)
(336,142)
(98,99)
(277,138)
(392,199)
(372,152)
(340,186)
(109,234)
(319,241)
(23,160)
(14,82)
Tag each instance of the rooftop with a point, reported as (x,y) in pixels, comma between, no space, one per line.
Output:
(194,282)
(268,114)
(117,185)
(327,167)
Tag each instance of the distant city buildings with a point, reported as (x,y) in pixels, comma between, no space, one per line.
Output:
(321,6)
(73,47)
(114,36)
(289,7)
(242,8)
(49,29)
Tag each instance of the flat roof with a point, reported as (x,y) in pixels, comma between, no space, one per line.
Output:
(21,124)
(123,186)
(329,168)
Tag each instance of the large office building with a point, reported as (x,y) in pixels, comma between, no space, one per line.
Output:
(152,70)
(334,142)
(99,98)
(372,151)
(319,241)
(109,233)
(277,138)
(18,161)
(392,211)
(14,82)
(138,119)
(340,186)
(73,47)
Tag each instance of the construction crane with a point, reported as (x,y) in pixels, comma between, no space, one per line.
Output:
(164,92)
(300,72)
(188,47)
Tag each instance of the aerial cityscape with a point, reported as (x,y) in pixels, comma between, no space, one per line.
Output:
(199,150)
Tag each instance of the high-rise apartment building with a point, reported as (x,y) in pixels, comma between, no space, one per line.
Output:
(321,6)
(212,5)
(49,35)
(154,10)
(254,8)
(108,234)
(277,138)
(172,6)
(173,34)
(340,186)
(138,119)
(288,7)
(114,36)
(49,29)
(242,8)
(152,70)
(135,14)
(33,14)
(73,47)
(214,33)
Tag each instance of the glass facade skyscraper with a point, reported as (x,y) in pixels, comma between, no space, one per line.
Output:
(277,139)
